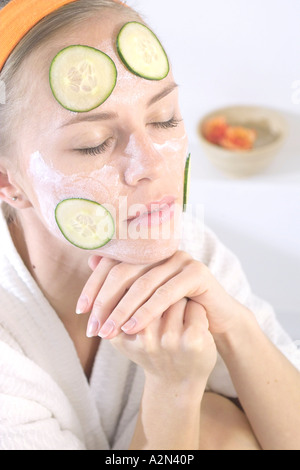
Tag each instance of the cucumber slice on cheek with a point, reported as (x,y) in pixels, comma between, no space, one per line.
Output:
(141,52)
(82,78)
(85,224)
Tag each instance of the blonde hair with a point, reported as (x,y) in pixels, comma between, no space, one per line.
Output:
(71,14)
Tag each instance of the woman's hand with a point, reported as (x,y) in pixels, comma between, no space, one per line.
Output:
(177,353)
(175,349)
(129,297)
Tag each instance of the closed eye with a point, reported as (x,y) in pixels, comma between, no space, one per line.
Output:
(93,151)
(172,123)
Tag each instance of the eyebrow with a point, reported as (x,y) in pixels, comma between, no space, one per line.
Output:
(162,94)
(91,117)
(108,116)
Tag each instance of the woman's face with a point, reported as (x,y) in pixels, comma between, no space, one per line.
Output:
(131,150)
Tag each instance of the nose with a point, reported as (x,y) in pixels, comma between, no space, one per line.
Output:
(144,162)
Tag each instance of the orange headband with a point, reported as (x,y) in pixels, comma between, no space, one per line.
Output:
(19,16)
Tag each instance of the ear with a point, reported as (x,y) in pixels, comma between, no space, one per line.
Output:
(10,192)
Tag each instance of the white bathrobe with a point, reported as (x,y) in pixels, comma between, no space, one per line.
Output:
(46,402)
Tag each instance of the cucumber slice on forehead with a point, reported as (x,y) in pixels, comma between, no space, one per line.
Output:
(82,78)
(187,176)
(84,223)
(141,52)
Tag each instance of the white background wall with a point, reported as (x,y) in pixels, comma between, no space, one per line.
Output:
(233,51)
(243,52)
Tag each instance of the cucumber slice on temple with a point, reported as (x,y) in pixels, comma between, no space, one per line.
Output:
(86,224)
(187,175)
(82,78)
(141,52)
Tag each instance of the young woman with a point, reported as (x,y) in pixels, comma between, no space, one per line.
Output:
(166,325)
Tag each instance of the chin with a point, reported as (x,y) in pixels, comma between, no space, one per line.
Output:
(141,251)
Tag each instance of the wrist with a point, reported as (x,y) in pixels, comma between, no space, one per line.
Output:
(169,417)
(186,393)
(241,332)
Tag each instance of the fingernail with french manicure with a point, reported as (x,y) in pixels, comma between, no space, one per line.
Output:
(82,305)
(129,325)
(107,329)
(93,327)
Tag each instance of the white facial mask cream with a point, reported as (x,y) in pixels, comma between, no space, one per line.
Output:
(173,146)
(171,149)
(103,185)
(52,186)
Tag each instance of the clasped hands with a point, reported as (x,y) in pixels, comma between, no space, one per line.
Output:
(174,307)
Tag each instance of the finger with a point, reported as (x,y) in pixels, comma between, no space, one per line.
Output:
(172,324)
(196,327)
(93,285)
(94,261)
(114,288)
(195,316)
(166,295)
(125,344)
(145,341)
(173,317)
(138,294)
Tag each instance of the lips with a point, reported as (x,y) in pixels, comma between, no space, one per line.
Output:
(153,207)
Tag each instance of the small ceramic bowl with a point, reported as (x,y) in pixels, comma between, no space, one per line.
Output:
(271,130)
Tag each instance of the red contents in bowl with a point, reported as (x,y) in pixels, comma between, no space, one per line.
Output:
(217,131)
